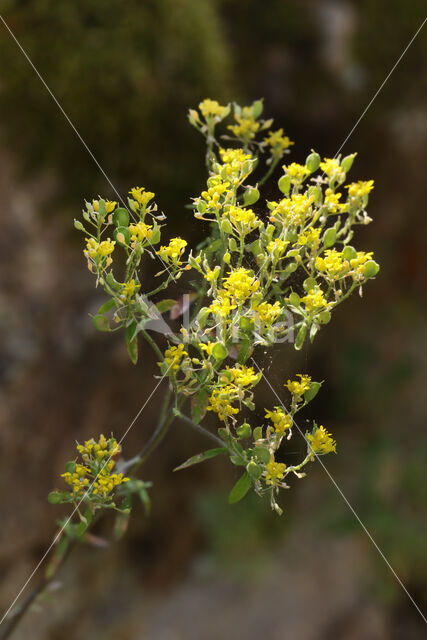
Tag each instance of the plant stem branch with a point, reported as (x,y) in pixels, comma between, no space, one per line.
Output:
(200,429)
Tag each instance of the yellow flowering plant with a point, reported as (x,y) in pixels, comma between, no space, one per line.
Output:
(268,272)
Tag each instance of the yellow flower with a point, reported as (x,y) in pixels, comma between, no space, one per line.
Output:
(276,248)
(310,237)
(332,201)
(99,252)
(297,172)
(280,419)
(315,300)
(110,205)
(299,388)
(275,472)
(207,347)
(212,109)
(129,289)
(142,196)
(267,312)
(244,220)
(140,232)
(222,305)
(246,126)
(173,252)
(291,210)
(173,357)
(358,263)
(213,196)
(241,284)
(240,375)
(321,441)
(277,141)
(221,402)
(235,167)
(95,477)
(332,263)
(360,189)
(211,275)
(331,167)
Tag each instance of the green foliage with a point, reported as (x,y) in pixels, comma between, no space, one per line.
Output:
(119,69)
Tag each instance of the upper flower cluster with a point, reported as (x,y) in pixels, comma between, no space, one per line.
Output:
(270,271)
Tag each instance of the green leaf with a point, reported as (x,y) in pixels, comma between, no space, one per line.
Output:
(78,225)
(313,330)
(121,217)
(324,317)
(155,238)
(299,341)
(347,162)
(244,351)
(199,403)
(81,529)
(145,499)
(312,162)
(254,470)
(70,467)
(88,515)
(122,236)
(55,497)
(284,184)
(250,196)
(165,305)
(294,299)
(329,237)
(122,519)
(371,269)
(225,226)
(240,489)
(309,284)
(132,342)
(110,279)
(106,307)
(214,246)
(101,323)
(244,431)
(262,453)
(349,253)
(257,433)
(219,351)
(312,391)
(256,248)
(200,457)
(232,244)
(257,108)
(238,461)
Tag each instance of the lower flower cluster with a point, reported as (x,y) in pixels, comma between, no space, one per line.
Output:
(92,479)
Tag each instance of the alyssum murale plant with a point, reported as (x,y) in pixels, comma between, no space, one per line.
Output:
(291,255)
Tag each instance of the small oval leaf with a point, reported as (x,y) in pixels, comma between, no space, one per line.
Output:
(240,489)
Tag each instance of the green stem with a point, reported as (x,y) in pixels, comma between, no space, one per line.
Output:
(153,345)
(200,429)
(273,165)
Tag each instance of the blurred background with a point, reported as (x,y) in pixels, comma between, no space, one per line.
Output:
(126,72)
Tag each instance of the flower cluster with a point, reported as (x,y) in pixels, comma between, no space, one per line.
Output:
(264,275)
(92,479)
